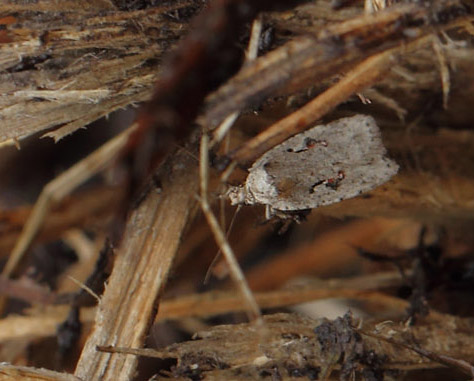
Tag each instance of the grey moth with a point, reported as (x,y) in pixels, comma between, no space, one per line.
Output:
(321,166)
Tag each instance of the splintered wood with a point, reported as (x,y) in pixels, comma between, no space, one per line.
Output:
(142,267)
(360,110)
(76,62)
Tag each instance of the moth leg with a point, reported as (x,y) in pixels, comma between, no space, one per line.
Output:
(443,69)
(269,212)
(60,187)
(234,268)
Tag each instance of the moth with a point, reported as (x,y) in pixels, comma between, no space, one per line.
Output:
(321,166)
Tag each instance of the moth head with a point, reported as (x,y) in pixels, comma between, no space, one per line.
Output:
(237,195)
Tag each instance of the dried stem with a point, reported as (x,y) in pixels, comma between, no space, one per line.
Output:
(235,271)
(13,372)
(59,188)
(362,76)
(143,262)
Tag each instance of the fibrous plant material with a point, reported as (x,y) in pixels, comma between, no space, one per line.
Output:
(310,58)
(67,64)
(85,59)
(11,372)
(142,265)
(299,347)
(57,189)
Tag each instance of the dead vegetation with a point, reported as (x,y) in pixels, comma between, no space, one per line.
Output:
(112,257)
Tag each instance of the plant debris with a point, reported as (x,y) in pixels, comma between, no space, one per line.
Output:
(246,76)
